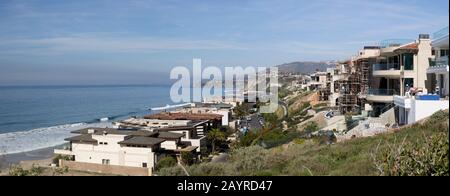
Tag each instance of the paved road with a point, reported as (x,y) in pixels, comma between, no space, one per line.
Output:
(253,124)
(285,108)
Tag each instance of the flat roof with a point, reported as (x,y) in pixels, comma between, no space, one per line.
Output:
(169,135)
(183,116)
(142,140)
(85,138)
(112,131)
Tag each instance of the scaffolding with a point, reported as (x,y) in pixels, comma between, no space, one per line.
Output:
(349,92)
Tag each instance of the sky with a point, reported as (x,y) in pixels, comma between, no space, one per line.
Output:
(54,42)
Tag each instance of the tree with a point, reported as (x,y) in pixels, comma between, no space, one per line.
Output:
(241,110)
(216,137)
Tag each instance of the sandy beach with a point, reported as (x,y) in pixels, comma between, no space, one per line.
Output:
(41,157)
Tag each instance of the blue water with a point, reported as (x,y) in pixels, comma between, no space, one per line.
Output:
(42,116)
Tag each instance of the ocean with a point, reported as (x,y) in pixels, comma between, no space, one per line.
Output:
(37,117)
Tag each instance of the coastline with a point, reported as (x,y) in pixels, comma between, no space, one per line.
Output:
(35,156)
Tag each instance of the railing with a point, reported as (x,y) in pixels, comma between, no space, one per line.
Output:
(441,33)
(438,61)
(394,42)
(383,92)
(390,66)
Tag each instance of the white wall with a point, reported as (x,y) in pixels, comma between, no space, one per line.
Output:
(169,145)
(422,109)
(117,155)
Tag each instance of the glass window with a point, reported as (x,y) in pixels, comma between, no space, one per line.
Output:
(444,53)
(408,61)
(144,164)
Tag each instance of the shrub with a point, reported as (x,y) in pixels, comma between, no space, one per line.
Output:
(312,127)
(171,171)
(429,158)
(17,170)
(187,158)
(166,161)
(248,160)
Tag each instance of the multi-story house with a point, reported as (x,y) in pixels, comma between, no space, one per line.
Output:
(402,66)
(412,108)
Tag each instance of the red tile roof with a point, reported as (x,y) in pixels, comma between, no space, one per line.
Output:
(413,46)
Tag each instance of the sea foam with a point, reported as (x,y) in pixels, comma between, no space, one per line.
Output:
(25,141)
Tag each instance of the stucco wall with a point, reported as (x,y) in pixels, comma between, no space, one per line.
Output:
(106,169)
(422,109)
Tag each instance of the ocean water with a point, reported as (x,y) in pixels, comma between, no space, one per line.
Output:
(36,117)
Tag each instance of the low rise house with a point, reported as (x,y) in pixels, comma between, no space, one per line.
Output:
(209,108)
(97,147)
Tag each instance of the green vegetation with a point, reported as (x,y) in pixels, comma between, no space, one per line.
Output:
(242,110)
(312,127)
(166,161)
(216,137)
(17,170)
(56,159)
(420,149)
(187,158)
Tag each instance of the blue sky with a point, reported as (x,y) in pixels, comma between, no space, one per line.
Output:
(138,42)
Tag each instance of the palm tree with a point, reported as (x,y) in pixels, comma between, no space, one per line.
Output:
(215,136)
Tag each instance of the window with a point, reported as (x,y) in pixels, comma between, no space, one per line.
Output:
(144,164)
(101,143)
(444,53)
(105,161)
(408,61)
(105,143)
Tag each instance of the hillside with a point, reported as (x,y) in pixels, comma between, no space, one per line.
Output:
(306,67)
(420,149)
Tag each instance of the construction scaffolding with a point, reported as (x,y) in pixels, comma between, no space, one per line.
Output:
(349,94)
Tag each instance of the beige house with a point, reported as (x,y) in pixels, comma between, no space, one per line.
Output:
(402,65)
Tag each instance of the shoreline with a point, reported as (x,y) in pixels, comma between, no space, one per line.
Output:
(37,156)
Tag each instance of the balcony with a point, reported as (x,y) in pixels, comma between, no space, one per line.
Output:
(381,95)
(438,65)
(387,47)
(392,70)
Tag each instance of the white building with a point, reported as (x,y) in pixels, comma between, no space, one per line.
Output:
(209,108)
(107,146)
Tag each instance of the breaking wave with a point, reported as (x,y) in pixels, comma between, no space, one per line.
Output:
(40,138)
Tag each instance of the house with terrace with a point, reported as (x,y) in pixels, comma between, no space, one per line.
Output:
(121,151)
(401,67)
(413,107)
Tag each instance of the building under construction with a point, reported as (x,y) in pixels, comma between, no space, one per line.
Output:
(348,83)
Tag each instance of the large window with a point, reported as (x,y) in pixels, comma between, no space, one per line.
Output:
(444,53)
(408,61)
